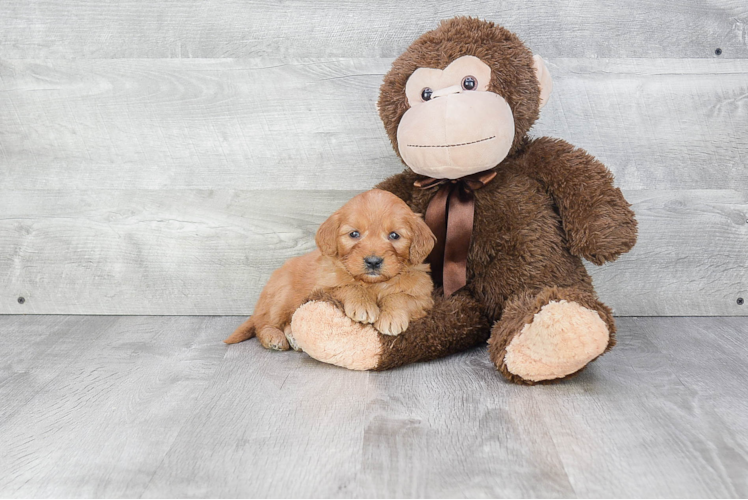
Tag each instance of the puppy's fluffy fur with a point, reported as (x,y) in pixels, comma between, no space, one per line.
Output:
(372,226)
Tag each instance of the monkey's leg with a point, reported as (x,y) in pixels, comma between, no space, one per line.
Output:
(550,335)
(322,330)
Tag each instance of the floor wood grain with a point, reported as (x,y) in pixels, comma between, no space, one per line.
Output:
(159,407)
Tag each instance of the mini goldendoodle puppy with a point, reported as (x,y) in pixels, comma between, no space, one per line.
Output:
(370,258)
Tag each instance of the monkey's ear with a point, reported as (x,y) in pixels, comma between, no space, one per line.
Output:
(327,236)
(422,241)
(544,78)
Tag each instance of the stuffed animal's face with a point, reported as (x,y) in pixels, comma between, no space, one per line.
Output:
(461,98)
(455,125)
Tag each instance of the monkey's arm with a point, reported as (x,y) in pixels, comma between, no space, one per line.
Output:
(599,222)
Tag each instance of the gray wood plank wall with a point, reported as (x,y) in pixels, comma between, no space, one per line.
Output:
(165,158)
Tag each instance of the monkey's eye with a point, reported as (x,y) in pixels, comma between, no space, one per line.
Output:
(394,236)
(469,83)
(426,94)
(354,234)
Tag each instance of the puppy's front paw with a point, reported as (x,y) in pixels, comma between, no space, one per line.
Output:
(362,311)
(392,322)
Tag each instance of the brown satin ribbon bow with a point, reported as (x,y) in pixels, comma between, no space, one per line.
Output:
(450,217)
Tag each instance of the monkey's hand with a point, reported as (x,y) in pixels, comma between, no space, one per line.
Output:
(604,231)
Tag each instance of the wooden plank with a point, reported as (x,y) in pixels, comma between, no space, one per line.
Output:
(630,425)
(690,258)
(454,428)
(159,407)
(180,28)
(271,424)
(34,353)
(151,252)
(657,124)
(134,252)
(210,252)
(306,428)
(717,348)
(312,123)
(708,356)
(257,124)
(103,425)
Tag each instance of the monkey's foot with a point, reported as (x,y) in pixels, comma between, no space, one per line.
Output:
(555,342)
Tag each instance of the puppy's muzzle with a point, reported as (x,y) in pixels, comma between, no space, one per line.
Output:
(373,263)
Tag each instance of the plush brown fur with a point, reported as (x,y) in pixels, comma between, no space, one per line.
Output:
(549,206)
(391,296)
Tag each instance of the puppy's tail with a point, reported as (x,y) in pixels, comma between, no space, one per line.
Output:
(245,331)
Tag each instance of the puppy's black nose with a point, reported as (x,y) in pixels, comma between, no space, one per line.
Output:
(373,262)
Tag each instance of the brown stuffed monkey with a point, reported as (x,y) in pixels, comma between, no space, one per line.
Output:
(513,216)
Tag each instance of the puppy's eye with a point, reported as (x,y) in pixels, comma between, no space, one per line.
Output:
(469,83)
(426,94)
(394,236)
(354,234)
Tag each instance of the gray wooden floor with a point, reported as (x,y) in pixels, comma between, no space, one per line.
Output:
(158,407)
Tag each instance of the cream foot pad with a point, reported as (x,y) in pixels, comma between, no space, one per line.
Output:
(562,338)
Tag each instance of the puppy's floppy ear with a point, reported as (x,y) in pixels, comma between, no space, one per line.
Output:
(422,241)
(327,236)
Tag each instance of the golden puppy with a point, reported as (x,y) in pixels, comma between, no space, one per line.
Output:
(370,257)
